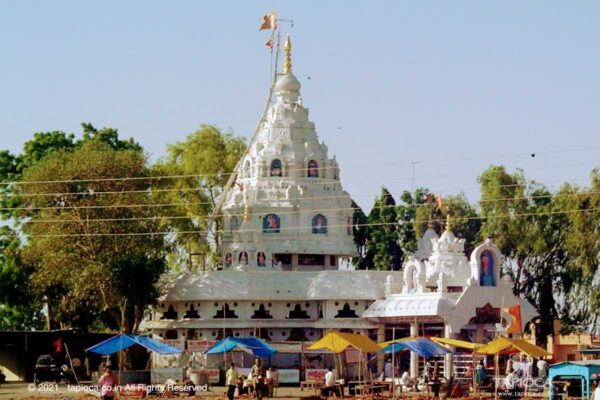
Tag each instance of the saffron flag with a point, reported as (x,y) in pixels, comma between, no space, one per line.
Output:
(269,43)
(515,313)
(269,21)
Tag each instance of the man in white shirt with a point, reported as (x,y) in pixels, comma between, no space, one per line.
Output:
(330,385)
(596,392)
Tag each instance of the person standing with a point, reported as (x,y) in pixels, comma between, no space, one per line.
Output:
(231,380)
(107,383)
(542,366)
(479,374)
(596,392)
(258,376)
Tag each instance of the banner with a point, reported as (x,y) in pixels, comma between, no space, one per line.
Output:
(160,375)
(212,373)
(200,345)
(178,343)
(282,347)
(315,374)
(289,375)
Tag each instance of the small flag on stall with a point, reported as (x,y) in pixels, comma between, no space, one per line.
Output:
(269,21)
(515,313)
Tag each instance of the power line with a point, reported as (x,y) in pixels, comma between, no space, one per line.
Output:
(309,182)
(178,176)
(317,210)
(500,216)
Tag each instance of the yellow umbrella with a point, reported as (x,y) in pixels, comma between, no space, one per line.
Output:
(337,342)
(457,343)
(501,344)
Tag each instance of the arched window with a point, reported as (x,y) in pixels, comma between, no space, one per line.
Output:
(271,223)
(261,259)
(228,260)
(243,258)
(312,170)
(247,169)
(276,168)
(319,224)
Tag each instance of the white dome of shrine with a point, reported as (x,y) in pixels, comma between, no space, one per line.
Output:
(287,83)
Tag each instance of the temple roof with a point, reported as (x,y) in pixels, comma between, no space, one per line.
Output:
(276,285)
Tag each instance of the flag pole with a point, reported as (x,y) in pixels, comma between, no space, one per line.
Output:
(497,358)
(393,364)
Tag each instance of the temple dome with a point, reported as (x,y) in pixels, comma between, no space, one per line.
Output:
(287,83)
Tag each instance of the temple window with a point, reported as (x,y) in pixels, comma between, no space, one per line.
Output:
(171,334)
(297,335)
(262,313)
(228,333)
(346,312)
(243,258)
(261,259)
(271,223)
(247,169)
(319,224)
(312,170)
(228,260)
(225,313)
(298,313)
(349,226)
(191,313)
(192,334)
(170,313)
(276,169)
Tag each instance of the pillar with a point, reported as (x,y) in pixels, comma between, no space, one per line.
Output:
(414,358)
(449,358)
(380,355)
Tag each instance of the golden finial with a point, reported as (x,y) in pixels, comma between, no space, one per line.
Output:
(287,61)
(246,213)
(448,225)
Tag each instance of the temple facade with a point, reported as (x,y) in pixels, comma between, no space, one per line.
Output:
(287,226)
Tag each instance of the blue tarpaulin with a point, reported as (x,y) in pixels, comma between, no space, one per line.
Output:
(249,343)
(422,346)
(120,342)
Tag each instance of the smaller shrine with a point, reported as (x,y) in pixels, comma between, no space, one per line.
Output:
(445,294)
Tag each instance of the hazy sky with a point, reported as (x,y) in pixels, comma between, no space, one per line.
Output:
(454,85)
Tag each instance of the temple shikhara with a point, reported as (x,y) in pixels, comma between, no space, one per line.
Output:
(287,229)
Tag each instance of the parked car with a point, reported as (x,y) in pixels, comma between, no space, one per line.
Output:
(46,369)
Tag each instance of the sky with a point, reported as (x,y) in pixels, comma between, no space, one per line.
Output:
(405,94)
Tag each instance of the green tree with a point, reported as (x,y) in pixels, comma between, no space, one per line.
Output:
(18,308)
(529,225)
(409,218)
(382,249)
(359,230)
(89,220)
(204,162)
(13,202)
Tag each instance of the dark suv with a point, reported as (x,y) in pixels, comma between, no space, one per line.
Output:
(46,369)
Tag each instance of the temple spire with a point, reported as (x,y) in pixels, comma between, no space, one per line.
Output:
(287,57)
(448,224)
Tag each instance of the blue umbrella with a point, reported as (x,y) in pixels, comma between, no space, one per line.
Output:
(120,342)
(250,344)
(422,346)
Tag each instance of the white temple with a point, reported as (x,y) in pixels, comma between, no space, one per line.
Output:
(288,223)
